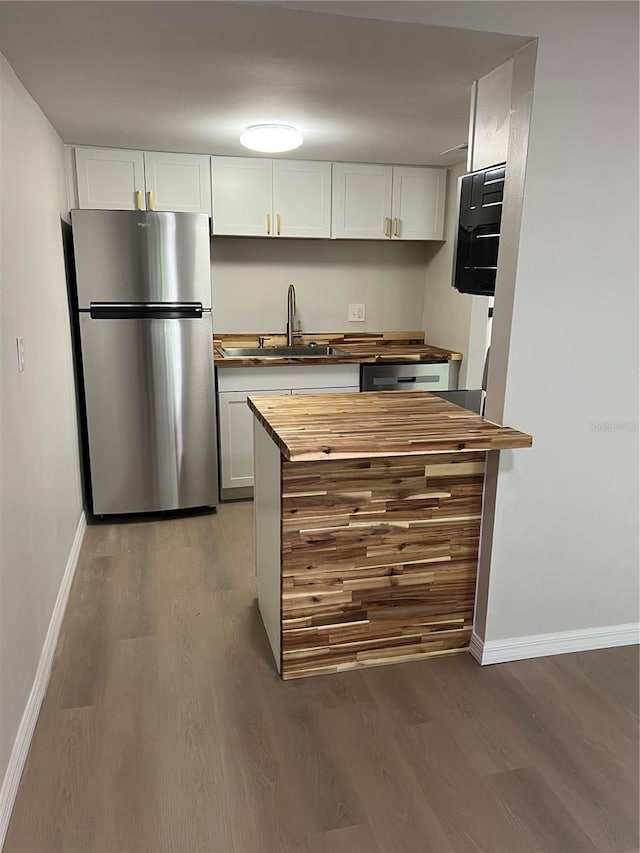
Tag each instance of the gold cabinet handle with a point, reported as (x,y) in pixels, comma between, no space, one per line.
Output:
(278,224)
(139,200)
(268,223)
(150,199)
(387,226)
(396,227)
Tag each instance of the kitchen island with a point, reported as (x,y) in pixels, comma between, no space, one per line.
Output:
(367,524)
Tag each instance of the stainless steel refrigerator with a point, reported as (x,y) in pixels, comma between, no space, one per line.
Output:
(146,340)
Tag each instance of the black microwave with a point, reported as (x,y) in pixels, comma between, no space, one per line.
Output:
(475,257)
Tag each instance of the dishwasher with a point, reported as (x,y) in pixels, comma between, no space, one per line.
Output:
(407,377)
(440,379)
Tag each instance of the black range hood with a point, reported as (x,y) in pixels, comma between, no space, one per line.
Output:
(480,196)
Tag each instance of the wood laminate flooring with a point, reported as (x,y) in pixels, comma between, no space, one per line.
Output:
(166,728)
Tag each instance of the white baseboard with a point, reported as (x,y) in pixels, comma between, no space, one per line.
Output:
(563,642)
(22,742)
(475,647)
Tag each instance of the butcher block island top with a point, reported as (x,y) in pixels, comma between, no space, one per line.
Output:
(367,526)
(351,426)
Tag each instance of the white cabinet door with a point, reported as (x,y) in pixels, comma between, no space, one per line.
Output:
(236,437)
(418,203)
(302,198)
(110,179)
(178,182)
(349,389)
(361,208)
(242,196)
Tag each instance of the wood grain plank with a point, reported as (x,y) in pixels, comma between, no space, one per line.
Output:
(364,589)
(538,816)
(309,428)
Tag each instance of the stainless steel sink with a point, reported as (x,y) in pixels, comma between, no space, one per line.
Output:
(283,352)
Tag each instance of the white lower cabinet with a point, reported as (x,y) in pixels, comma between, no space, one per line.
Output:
(236,439)
(235,384)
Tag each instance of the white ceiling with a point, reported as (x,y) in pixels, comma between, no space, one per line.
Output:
(189,76)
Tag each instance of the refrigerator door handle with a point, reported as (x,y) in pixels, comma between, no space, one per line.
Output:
(142,310)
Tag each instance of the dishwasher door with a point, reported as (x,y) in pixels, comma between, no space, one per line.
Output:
(405,377)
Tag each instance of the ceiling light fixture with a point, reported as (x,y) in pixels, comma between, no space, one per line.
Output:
(271,138)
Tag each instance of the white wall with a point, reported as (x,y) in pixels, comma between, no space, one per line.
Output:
(40,493)
(251,276)
(560,309)
(492,111)
(565,543)
(451,319)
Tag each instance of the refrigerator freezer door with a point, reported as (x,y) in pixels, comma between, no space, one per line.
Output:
(138,256)
(150,413)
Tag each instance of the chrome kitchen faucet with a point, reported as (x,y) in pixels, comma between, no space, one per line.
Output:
(291,313)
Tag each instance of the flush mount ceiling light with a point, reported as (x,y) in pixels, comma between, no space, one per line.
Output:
(271,138)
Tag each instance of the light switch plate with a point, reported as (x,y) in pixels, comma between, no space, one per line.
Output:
(356,313)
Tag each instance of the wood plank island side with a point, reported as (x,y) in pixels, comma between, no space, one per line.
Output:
(370,559)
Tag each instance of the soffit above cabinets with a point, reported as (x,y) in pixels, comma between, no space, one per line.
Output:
(189,76)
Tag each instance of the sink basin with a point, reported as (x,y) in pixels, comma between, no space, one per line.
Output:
(283,352)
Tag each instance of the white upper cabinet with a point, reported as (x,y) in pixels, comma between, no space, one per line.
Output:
(372,202)
(271,198)
(177,182)
(259,197)
(417,208)
(302,198)
(114,179)
(242,196)
(110,179)
(361,207)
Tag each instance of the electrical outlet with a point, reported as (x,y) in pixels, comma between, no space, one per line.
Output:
(356,313)
(20,354)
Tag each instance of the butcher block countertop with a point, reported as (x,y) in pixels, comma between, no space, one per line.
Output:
(365,348)
(353,426)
